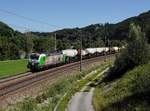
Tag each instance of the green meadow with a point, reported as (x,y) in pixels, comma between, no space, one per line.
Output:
(12,67)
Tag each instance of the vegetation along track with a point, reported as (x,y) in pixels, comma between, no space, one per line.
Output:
(17,82)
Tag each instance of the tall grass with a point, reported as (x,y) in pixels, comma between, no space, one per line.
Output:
(129,93)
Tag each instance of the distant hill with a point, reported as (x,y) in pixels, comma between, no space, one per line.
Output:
(5,30)
(95,35)
(118,31)
(121,29)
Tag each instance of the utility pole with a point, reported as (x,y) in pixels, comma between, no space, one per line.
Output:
(80,50)
(29,43)
(105,48)
(55,42)
(105,42)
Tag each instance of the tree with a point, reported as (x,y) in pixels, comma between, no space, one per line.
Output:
(138,48)
(135,53)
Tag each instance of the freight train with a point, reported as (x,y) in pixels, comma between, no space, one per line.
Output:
(42,61)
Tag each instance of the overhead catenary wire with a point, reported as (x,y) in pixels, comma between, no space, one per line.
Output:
(25,29)
(29,19)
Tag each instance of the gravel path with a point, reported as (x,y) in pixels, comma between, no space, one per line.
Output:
(81,101)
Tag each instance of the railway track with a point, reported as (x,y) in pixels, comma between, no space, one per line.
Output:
(15,83)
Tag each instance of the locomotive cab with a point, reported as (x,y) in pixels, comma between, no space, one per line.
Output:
(33,61)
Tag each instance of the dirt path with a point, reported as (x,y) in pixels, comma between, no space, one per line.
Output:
(81,101)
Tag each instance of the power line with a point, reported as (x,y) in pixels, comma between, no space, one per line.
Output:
(24,28)
(29,19)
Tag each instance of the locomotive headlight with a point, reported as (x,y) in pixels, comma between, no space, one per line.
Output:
(33,62)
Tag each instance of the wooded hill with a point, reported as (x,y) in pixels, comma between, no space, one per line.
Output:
(118,31)
(14,43)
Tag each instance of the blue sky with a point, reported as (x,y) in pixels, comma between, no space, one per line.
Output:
(68,13)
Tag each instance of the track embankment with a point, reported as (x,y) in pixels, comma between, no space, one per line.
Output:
(16,88)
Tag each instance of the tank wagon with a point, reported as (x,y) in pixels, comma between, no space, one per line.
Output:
(71,55)
(37,61)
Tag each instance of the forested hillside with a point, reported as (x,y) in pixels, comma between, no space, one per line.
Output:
(14,44)
(94,35)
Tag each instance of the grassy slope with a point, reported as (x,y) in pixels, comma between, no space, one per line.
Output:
(48,98)
(131,92)
(79,85)
(12,67)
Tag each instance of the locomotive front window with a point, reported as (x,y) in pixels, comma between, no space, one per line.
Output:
(34,56)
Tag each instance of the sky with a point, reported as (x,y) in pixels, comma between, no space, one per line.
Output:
(51,15)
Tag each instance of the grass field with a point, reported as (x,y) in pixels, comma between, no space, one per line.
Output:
(12,67)
(129,93)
